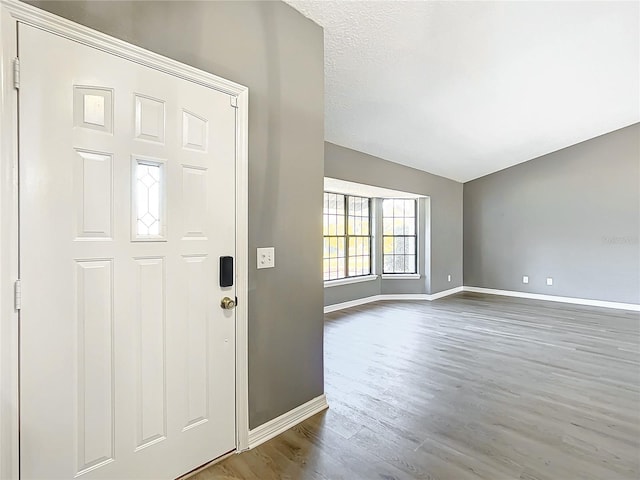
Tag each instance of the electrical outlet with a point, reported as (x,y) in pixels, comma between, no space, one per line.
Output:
(448,278)
(549,281)
(525,279)
(266,257)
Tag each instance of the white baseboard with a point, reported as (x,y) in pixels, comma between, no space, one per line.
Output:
(391,296)
(284,422)
(507,293)
(445,293)
(553,298)
(351,303)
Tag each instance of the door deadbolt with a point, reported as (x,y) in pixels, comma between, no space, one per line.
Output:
(227,303)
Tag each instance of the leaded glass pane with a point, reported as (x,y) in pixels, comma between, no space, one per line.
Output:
(148,200)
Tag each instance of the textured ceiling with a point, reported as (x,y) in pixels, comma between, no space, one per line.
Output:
(463,89)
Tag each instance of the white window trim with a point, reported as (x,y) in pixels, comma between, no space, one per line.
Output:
(348,280)
(371,236)
(400,276)
(418,237)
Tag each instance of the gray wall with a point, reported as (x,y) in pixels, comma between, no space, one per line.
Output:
(573,215)
(353,291)
(278,54)
(446,220)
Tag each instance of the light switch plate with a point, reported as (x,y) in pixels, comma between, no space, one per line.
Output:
(266,257)
(549,281)
(525,279)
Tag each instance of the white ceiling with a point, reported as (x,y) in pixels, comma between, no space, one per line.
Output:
(463,89)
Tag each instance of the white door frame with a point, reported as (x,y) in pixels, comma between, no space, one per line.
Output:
(12,12)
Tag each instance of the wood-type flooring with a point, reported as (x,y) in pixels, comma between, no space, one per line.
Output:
(470,386)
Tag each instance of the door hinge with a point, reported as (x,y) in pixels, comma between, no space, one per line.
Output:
(234,101)
(16,73)
(17,295)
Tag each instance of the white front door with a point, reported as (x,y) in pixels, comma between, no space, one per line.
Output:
(127,201)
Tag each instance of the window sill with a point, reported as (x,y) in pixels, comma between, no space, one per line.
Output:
(347,281)
(400,276)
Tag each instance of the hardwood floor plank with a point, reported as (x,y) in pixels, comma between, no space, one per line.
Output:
(466,387)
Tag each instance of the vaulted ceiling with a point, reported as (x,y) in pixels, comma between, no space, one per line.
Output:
(463,89)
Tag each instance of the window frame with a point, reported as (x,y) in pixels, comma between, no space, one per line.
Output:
(405,274)
(346,236)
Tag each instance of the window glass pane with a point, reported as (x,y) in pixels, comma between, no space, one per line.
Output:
(325,269)
(387,247)
(148,199)
(388,264)
(410,263)
(410,245)
(410,208)
(331,225)
(398,266)
(409,226)
(365,226)
(341,270)
(333,247)
(387,207)
(331,209)
(341,249)
(387,226)
(398,226)
(398,245)
(398,208)
(339,225)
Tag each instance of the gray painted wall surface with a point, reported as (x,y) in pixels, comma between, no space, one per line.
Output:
(446,219)
(573,215)
(278,54)
(353,291)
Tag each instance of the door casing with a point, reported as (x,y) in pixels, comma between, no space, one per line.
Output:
(11,13)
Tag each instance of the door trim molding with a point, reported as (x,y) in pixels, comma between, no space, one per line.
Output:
(9,440)
(242,271)
(52,23)
(12,12)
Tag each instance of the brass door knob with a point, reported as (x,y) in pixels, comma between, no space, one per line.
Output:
(227,303)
